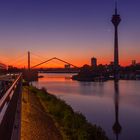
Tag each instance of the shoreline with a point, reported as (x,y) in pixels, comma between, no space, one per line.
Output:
(72,125)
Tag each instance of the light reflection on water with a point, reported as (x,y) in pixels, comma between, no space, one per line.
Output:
(106,104)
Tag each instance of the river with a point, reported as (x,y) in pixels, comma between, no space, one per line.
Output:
(113,106)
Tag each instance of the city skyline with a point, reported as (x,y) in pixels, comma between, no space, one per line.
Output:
(74,30)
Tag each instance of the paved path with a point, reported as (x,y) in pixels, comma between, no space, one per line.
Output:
(36,124)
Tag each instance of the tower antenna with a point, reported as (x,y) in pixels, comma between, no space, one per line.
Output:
(116,7)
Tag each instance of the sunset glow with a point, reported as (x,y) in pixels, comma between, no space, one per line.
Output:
(69,30)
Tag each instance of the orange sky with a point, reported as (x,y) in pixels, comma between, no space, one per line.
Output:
(71,32)
(75,61)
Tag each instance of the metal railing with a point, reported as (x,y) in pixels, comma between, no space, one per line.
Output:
(10,110)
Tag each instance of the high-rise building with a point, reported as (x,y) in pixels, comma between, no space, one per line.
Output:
(116,20)
(67,66)
(93,62)
(133,62)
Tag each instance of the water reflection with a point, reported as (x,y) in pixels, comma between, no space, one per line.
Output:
(100,103)
(116,127)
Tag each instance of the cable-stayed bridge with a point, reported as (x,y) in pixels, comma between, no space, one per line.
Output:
(35,62)
(11,88)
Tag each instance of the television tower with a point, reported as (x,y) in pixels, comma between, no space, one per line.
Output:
(116,20)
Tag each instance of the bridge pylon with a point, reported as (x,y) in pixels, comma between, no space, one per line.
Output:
(29,60)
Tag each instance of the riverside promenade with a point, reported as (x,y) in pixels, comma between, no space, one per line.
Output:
(36,124)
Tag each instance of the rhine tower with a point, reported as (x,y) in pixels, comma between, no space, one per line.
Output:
(116,20)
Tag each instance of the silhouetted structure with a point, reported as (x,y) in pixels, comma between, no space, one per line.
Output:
(30,75)
(116,20)
(28,60)
(93,62)
(133,62)
(67,66)
(3,68)
(54,58)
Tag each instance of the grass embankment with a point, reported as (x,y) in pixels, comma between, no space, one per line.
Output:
(73,125)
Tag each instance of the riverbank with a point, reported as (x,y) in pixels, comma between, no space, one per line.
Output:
(36,124)
(71,125)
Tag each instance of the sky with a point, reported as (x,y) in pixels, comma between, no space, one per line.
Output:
(73,30)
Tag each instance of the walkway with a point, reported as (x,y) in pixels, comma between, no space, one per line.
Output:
(36,124)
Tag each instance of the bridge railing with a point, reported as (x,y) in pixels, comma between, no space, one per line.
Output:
(10,111)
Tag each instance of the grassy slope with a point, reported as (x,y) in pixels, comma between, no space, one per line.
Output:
(73,125)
